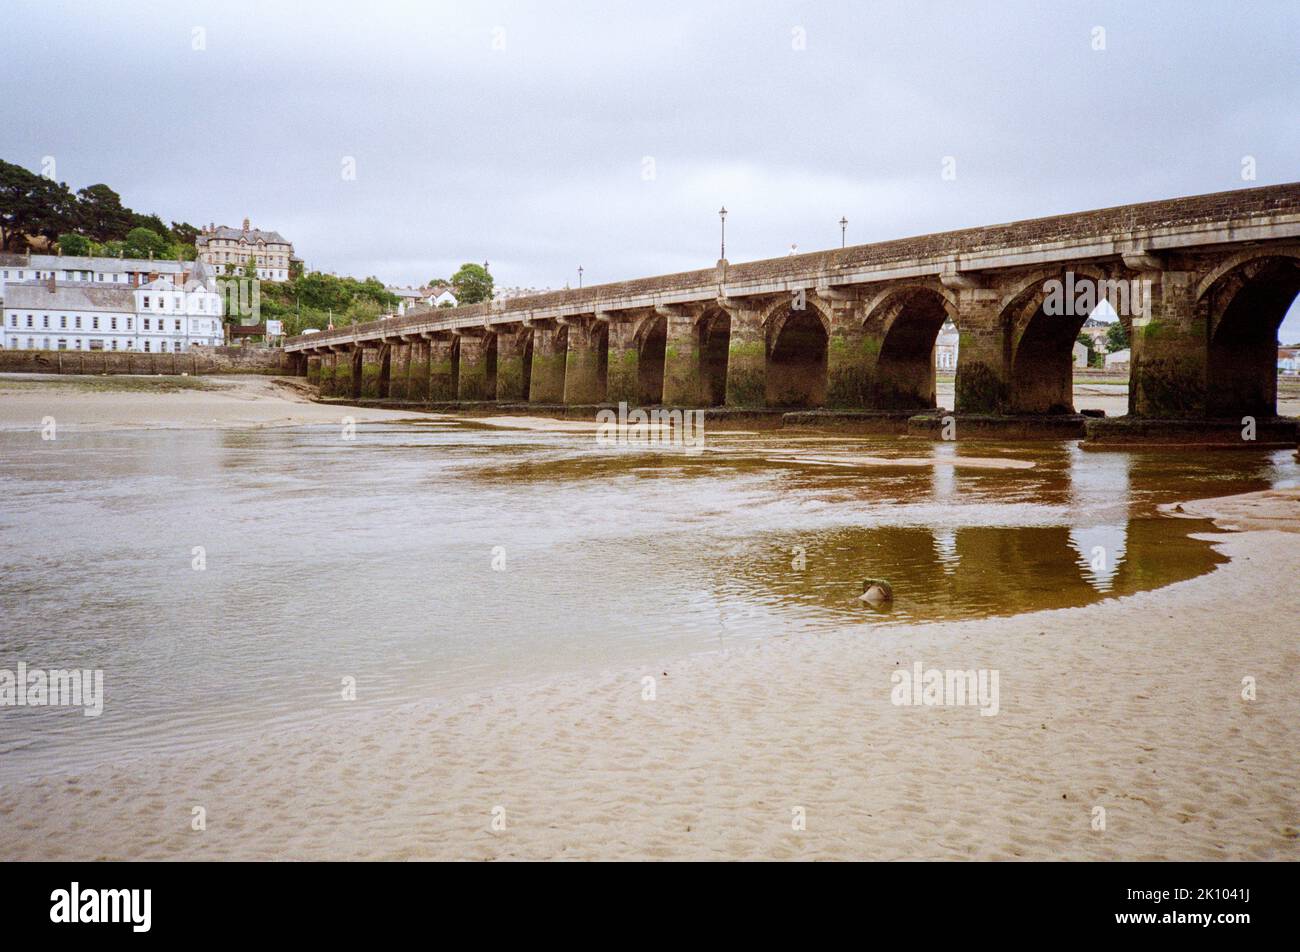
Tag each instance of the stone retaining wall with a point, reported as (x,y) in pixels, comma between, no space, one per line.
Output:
(198,360)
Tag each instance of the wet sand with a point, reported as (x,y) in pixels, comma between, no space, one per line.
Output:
(1133,705)
(223,402)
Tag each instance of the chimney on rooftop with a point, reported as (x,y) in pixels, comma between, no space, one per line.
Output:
(245,224)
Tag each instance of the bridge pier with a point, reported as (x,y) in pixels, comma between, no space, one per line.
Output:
(549,345)
(417,370)
(746,356)
(477,366)
(850,354)
(347,369)
(982,384)
(586,359)
(328,362)
(1167,354)
(371,357)
(682,381)
(443,368)
(313,369)
(622,372)
(514,363)
(399,368)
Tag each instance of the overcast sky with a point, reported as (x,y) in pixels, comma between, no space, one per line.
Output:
(545,136)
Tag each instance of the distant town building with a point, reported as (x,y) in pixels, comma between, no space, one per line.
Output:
(163,315)
(414,298)
(1119,360)
(224,249)
(1288,360)
(507,294)
(1097,331)
(945,347)
(1080,354)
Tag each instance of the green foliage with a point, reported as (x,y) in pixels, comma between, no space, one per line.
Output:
(145,243)
(101,215)
(32,205)
(152,222)
(1117,337)
(183,233)
(312,299)
(73,244)
(472,284)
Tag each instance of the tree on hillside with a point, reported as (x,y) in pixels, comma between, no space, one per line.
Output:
(101,214)
(152,222)
(472,284)
(1116,337)
(74,244)
(183,233)
(145,243)
(31,204)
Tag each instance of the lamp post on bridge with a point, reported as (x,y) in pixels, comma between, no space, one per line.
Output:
(722,215)
(844,224)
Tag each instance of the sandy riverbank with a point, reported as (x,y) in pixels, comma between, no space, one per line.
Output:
(1133,705)
(226,402)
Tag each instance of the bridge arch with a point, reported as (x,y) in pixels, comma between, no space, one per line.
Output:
(385,368)
(714,329)
(798,341)
(906,320)
(355,358)
(1042,319)
(651,340)
(1245,301)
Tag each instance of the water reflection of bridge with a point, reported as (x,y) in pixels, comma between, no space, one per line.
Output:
(1082,537)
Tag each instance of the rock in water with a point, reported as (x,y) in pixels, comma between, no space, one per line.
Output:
(876,590)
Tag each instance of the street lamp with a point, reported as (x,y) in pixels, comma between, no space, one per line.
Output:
(579,275)
(844,224)
(722,214)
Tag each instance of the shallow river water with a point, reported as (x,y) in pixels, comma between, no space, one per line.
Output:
(427,559)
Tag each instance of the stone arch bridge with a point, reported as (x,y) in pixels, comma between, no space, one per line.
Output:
(1203,283)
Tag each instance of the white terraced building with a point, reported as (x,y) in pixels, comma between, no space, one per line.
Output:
(161,316)
(77,269)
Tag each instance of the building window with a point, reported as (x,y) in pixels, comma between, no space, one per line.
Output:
(112,323)
(114,343)
(94,323)
(146,323)
(178,325)
(146,347)
(45,320)
(29,320)
(63,321)
(63,344)
(31,343)
(176,347)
